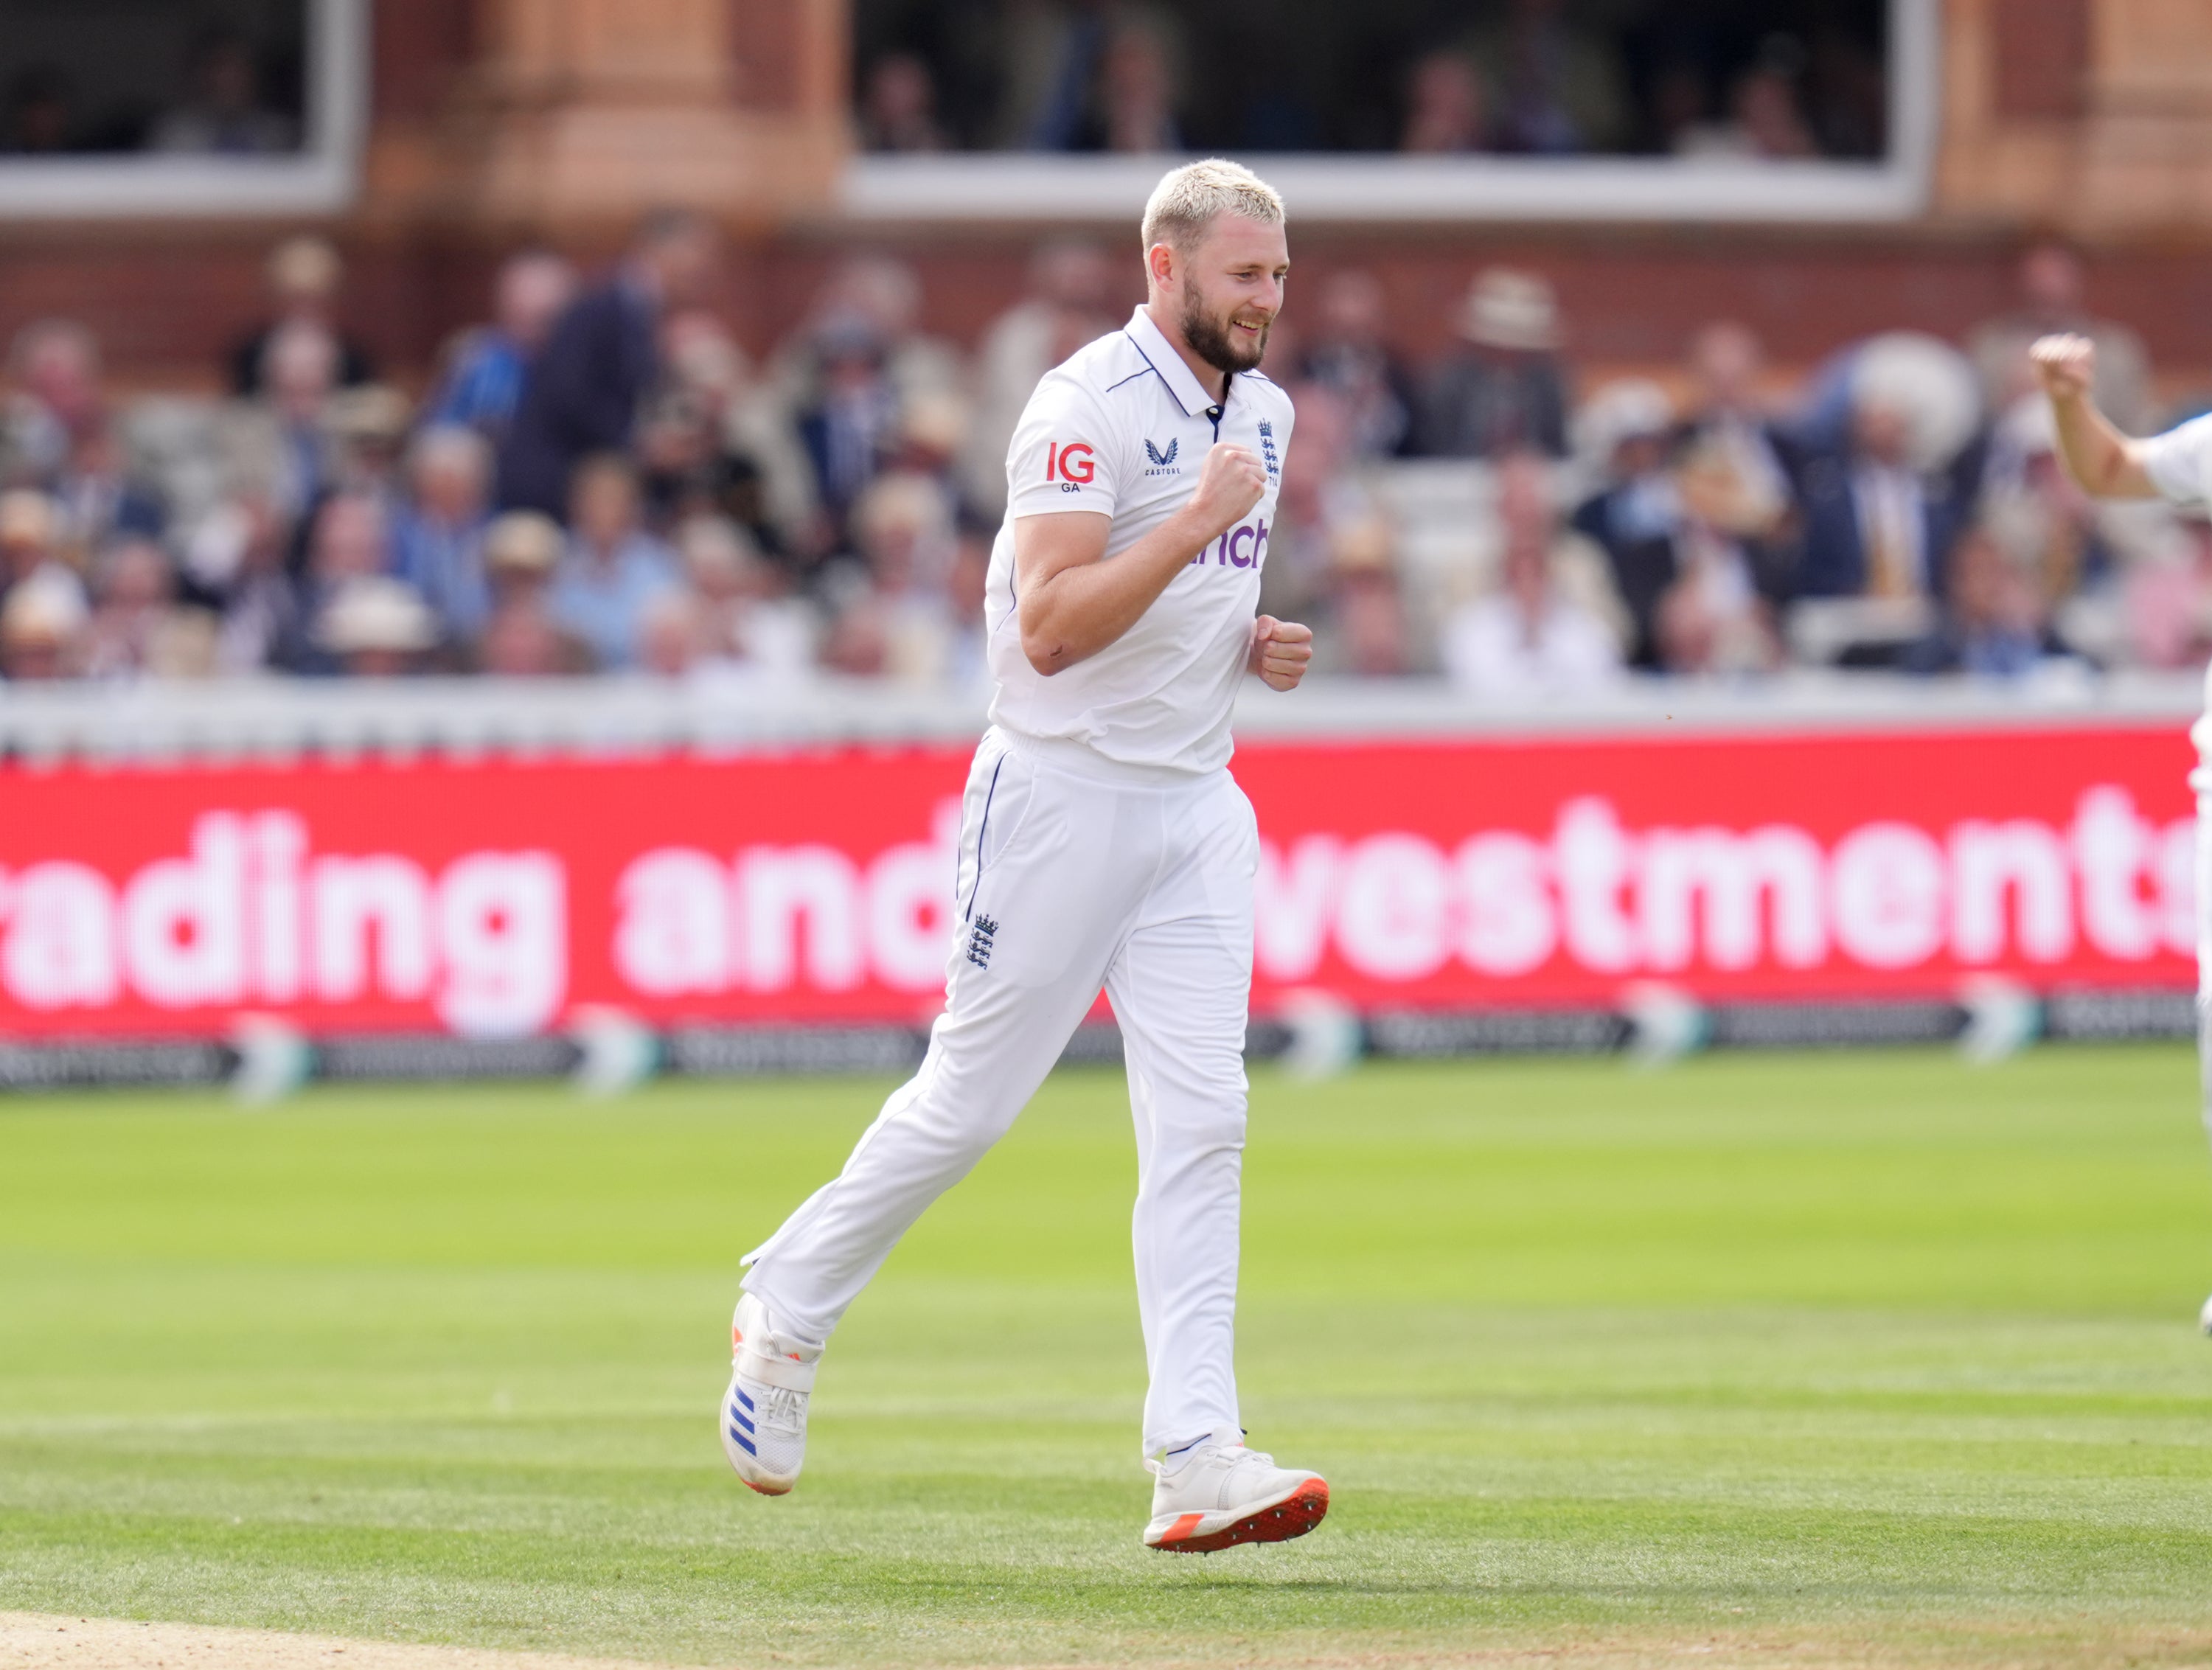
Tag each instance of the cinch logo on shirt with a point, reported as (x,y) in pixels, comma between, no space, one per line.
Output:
(1164,464)
(1073,465)
(1241,546)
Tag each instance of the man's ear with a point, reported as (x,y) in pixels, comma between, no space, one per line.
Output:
(1160,264)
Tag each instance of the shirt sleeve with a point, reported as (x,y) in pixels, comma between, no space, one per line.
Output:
(2176,461)
(1065,456)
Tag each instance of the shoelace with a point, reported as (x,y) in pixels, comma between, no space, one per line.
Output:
(781,1410)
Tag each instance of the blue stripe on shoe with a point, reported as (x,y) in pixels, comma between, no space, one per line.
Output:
(739,1391)
(739,1416)
(745,1443)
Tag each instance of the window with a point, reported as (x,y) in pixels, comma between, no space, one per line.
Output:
(1400,109)
(180,106)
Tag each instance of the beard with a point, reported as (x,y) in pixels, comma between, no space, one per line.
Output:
(1210,340)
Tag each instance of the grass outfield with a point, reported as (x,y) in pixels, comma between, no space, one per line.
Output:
(1876,1358)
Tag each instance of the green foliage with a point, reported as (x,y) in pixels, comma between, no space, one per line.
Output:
(1864,1349)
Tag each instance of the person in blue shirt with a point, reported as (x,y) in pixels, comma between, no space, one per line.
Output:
(613,569)
(437,535)
(484,380)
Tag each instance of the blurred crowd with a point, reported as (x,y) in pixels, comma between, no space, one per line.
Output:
(1528,77)
(600,478)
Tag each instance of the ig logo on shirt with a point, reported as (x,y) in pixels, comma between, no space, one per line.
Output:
(1074,465)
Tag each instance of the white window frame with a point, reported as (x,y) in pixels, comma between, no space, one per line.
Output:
(321,178)
(1019,186)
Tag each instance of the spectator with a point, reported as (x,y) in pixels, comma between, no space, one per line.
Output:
(1070,283)
(282,440)
(1529,638)
(483,380)
(30,547)
(234,564)
(588,383)
(1995,622)
(1366,607)
(1447,107)
(743,619)
(879,298)
(904,533)
(2052,288)
(612,568)
(438,533)
(758,473)
(1626,429)
(304,276)
(669,644)
(1766,124)
(853,423)
(42,626)
(134,624)
(1559,81)
(375,627)
(56,433)
(1347,356)
(227,115)
(1318,497)
(1730,419)
(898,106)
(1716,615)
(520,638)
(367,430)
(1505,389)
(1876,523)
(1136,94)
(349,540)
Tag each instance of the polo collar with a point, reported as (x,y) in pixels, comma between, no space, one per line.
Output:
(1159,354)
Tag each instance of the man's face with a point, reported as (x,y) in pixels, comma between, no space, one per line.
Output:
(1232,289)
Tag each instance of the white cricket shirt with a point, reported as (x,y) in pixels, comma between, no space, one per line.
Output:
(2179,462)
(1123,427)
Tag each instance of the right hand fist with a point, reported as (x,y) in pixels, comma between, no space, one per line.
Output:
(1229,485)
(2066,364)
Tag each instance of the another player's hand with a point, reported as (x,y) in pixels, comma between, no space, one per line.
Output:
(1229,484)
(2065,364)
(1280,651)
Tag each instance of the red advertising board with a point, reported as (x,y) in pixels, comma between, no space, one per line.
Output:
(498,898)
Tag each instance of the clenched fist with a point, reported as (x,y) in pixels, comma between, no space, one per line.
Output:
(2066,364)
(1280,651)
(1229,484)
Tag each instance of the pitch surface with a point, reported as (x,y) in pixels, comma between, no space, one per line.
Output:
(1792,1358)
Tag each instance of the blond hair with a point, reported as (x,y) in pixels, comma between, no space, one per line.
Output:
(1188,198)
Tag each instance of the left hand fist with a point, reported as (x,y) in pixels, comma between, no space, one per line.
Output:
(1280,651)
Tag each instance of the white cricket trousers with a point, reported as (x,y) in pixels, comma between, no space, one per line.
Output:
(1075,873)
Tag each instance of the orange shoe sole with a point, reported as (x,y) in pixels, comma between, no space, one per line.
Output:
(1293,1517)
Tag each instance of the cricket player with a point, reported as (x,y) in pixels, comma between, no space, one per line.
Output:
(2176,465)
(1102,842)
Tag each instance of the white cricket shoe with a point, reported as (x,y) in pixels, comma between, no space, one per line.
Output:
(1225,1494)
(764,1411)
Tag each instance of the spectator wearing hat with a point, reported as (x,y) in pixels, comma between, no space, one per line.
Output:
(484,376)
(42,626)
(375,627)
(304,276)
(1368,637)
(31,543)
(1505,389)
(744,621)
(587,385)
(612,568)
(438,532)
(520,638)
(368,429)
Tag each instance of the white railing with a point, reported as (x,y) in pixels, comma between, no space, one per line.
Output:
(279,718)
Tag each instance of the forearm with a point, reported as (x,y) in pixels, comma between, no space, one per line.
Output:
(2097,455)
(1070,615)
